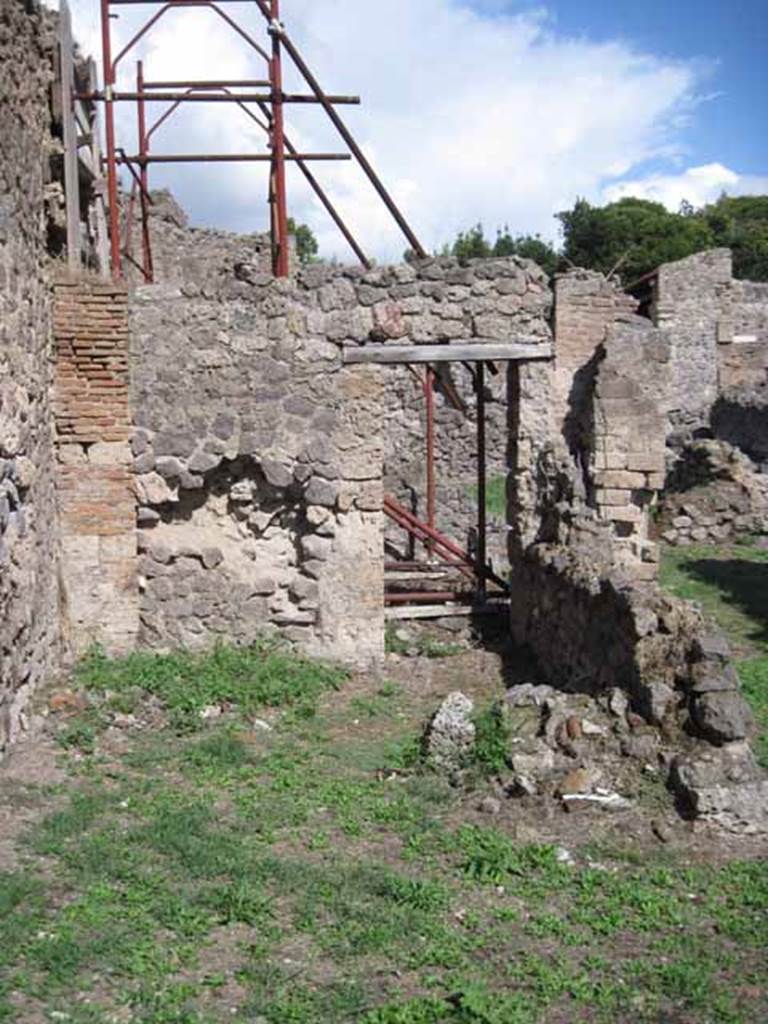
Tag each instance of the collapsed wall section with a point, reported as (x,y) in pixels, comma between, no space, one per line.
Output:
(29,635)
(588,430)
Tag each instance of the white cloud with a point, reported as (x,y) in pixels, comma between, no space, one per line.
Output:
(696,185)
(466,116)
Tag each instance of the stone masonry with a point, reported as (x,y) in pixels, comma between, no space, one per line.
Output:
(258,467)
(258,497)
(29,629)
(688,305)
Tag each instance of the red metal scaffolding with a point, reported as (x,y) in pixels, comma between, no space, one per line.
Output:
(262,100)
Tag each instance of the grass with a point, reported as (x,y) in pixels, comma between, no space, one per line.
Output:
(495,497)
(422,644)
(303,876)
(730,583)
(265,674)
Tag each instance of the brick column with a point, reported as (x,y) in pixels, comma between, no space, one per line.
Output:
(94,479)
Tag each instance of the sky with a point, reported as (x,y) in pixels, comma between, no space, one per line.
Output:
(494,111)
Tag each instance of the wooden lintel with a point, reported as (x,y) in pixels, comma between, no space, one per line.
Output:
(464,352)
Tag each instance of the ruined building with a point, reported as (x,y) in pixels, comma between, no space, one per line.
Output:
(211,456)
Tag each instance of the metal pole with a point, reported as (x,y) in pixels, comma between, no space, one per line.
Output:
(481,484)
(341,128)
(280,250)
(109,123)
(429,395)
(146,247)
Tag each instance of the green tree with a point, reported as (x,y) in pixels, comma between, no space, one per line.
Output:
(306,243)
(471,245)
(631,237)
(741,223)
(530,247)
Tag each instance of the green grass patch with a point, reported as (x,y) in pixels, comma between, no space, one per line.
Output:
(294,876)
(495,497)
(265,674)
(730,584)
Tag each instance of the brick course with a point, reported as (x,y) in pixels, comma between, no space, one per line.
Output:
(95,488)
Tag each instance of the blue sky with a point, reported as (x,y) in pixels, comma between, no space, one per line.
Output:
(500,111)
(730,37)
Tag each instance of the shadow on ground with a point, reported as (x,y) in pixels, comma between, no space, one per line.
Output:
(518,664)
(742,583)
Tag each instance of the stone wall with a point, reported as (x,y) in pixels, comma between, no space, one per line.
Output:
(260,456)
(743,352)
(258,460)
(718,330)
(29,635)
(198,257)
(592,631)
(688,304)
(714,495)
(627,466)
(588,431)
(97,506)
(749,311)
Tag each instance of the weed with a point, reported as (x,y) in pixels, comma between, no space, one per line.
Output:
(265,674)
(753,674)
(394,644)
(492,736)
(490,856)
(495,497)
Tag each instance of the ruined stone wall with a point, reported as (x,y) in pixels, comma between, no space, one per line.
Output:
(689,304)
(588,431)
(714,495)
(29,636)
(593,631)
(258,460)
(197,257)
(627,466)
(740,417)
(97,507)
(743,349)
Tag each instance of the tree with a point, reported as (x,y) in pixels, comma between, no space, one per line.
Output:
(530,247)
(631,236)
(473,244)
(306,243)
(740,223)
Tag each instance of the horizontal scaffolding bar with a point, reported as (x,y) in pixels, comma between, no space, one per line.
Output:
(242,83)
(223,158)
(172,3)
(211,97)
(464,352)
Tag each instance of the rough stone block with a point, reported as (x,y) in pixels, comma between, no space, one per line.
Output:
(722,716)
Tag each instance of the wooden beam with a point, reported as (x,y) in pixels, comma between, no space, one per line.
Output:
(69,126)
(445,611)
(101,240)
(464,352)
